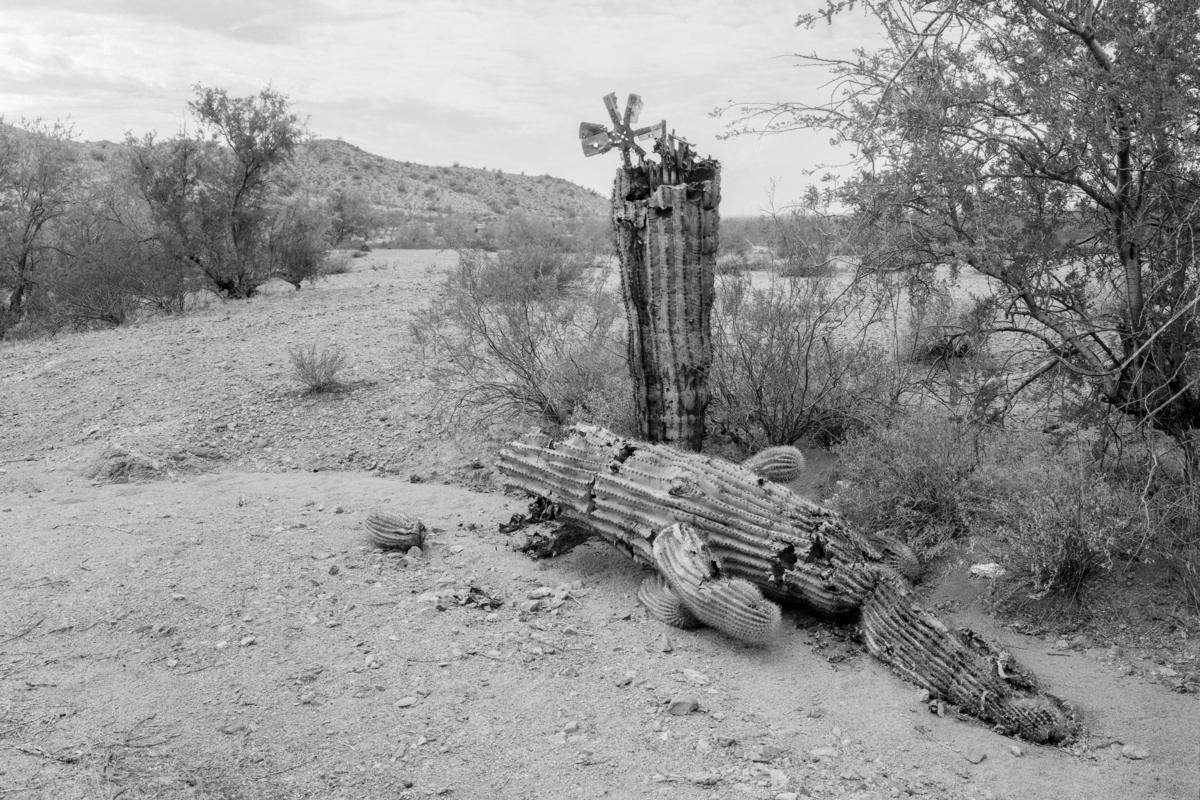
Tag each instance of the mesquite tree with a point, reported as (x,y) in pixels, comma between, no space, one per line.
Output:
(210,194)
(39,178)
(1053,146)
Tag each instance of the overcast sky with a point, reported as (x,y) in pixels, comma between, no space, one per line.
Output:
(487,83)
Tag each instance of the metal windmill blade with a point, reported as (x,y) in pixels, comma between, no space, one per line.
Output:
(596,139)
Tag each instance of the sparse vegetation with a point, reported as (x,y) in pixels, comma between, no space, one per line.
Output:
(318,371)
(798,360)
(528,330)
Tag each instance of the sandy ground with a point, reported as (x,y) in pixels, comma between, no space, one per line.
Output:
(221,628)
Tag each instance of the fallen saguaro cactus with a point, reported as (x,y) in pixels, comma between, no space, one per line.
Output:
(631,493)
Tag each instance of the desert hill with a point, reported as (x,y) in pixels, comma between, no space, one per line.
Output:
(420,190)
(403,189)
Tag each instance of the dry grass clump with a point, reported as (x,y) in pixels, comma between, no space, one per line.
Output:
(317,370)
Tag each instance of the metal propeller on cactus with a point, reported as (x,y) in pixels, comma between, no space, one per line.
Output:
(597,140)
(665,217)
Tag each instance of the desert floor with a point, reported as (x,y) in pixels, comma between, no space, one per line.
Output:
(190,608)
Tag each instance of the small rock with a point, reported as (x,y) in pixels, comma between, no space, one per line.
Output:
(627,678)
(1167,672)
(816,712)
(1061,644)
(247,641)
(571,727)
(692,676)
(1135,752)
(540,592)
(988,571)
(1015,750)
(456,549)
(704,778)
(824,752)
(681,706)
(308,698)
(664,644)
(414,552)
(231,728)
(975,756)
(529,606)
(334,569)
(405,702)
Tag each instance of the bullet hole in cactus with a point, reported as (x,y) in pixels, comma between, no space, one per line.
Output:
(816,552)
(784,560)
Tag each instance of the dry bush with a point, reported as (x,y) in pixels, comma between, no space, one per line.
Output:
(915,476)
(1058,520)
(1064,522)
(316,369)
(509,335)
(799,359)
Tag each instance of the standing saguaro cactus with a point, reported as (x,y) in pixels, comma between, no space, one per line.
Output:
(666,220)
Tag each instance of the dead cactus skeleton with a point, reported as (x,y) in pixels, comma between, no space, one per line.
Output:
(630,493)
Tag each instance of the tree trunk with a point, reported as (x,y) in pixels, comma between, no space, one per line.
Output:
(666,221)
(629,492)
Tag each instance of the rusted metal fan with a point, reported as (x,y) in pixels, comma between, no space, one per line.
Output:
(596,139)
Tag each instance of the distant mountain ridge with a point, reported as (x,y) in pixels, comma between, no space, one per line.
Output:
(402,189)
(422,191)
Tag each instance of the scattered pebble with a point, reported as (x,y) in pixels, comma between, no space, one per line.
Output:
(664,644)
(334,569)
(1015,750)
(681,706)
(247,641)
(405,702)
(698,678)
(308,698)
(975,756)
(1135,752)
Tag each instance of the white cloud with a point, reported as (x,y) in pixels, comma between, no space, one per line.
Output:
(434,81)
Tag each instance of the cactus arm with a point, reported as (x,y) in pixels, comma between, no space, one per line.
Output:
(733,606)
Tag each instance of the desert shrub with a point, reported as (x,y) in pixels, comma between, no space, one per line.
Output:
(916,476)
(1064,522)
(1055,519)
(943,328)
(513,336)
(797,359)
(338,263)
(317,370)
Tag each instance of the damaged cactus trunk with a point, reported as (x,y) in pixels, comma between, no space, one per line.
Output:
(750,529)
(665,218)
